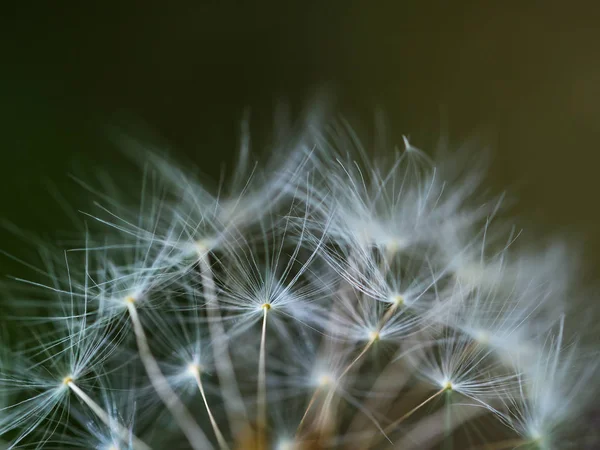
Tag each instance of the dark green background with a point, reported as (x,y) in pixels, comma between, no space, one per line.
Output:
(525,73)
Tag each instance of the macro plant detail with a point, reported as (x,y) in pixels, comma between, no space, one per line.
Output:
(332,298)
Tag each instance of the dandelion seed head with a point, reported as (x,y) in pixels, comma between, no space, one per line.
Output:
(374,335)
(324,380)
(397,300)
(394,245)
(482,337)
(342,251)
(447,385)
(535,435)
(194,369)
(286,444)
(203,246)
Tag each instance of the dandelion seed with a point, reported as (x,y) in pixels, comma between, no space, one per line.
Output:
(301,305)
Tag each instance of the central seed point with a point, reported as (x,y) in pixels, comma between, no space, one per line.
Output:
(202,246)
(195,369)
(398,300)
(324,380)
(266,306)
(67,380)
(482,337)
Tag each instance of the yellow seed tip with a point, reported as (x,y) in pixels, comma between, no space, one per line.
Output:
(202,246)
(266,306)
(130,299)
(482,337)
(67,380)
(324,380)
(374,335)
(398,300)
(195,369)
(392,246)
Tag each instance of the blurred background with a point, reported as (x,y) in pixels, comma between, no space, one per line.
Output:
(524,75)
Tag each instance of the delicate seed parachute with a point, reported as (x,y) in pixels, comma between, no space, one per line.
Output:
(331,298)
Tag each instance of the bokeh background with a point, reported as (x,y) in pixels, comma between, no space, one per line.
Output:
(523,75)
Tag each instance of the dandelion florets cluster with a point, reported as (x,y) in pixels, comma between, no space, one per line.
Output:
(332,298)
